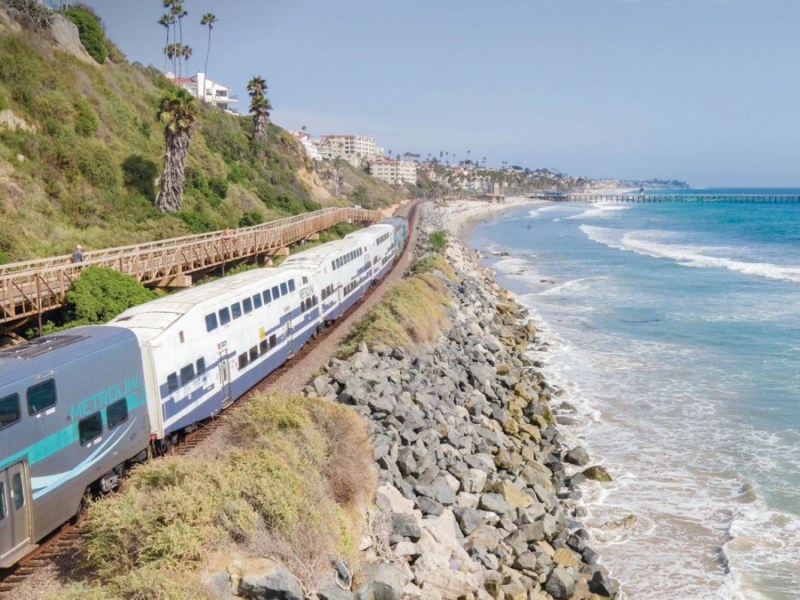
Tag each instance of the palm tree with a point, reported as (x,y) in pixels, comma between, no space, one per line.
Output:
(259,107)
(208,19)
(186,53)
(165,21)
(178,112)
(171,51)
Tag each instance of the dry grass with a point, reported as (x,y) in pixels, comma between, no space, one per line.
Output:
(294,486)
(412,312)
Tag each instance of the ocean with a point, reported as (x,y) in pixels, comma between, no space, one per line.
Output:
(673,330)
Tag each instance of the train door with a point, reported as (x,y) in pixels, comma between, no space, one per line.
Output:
(225,381)
(290,337)
(15,507)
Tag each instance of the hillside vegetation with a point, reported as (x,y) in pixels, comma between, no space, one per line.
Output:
(81,150)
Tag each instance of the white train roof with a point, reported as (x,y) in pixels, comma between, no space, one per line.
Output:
(150,319)
(319,255)
(373,231)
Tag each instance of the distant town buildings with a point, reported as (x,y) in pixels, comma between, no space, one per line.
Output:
(355,149)
(311,146)
(394,171)
(210,91)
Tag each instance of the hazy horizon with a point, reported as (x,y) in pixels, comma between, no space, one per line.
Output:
(697,90)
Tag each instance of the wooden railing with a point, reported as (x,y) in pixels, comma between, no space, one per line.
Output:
(32,287)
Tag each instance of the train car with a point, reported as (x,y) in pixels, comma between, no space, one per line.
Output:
(73,411)
(206,346)
(379,241)
(343,272)
(400,226)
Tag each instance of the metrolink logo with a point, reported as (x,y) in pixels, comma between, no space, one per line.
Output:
(98,400)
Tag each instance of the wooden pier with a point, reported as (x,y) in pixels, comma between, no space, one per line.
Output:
(29,289)
(645,198)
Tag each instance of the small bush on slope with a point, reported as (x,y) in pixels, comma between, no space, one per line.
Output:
(292,486)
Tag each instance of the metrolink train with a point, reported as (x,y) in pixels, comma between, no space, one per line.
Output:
(78,407)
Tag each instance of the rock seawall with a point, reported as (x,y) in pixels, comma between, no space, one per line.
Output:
(475,500)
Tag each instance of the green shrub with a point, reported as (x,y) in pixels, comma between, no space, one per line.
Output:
(250,218)
(198,222)
(86,122)
(433,262)
(140,173)
(438,241)
(99,294)
(89,30)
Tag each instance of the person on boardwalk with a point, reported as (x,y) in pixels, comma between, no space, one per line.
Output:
(77,256)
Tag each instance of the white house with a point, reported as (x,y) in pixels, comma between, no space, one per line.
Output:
(207,90)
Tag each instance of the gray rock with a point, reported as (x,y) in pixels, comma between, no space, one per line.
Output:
(406,525)
(469,519)
(279,584)
(473,481)
(438,491)
(494,503)
(220,586)
(577,456)
(329,590)
(527,561)
(602,585)
(429,507)
(560,584)
(382,581)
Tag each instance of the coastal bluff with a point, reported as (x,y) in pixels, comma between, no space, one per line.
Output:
(474,499)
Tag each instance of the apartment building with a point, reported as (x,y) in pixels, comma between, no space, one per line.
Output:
(394,171)
(355,149)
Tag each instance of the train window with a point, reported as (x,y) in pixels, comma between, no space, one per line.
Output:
(187,374)
(316,300)
(41,396)
(291,285)
(267,297)
(284,289)
(9,410)
(211,322)
(224,316)
(243,360)
(117,413)
(3,507)
(247,305)
(253,353)
(276,292)
(90,428)
(201,366)
(17,492)
(305,280)
(257,301)
(333,265)
(181,337)
(263,347)
(172,383)
(236,310)
(272,341)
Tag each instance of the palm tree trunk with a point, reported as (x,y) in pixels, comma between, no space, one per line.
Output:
(208,49)
(170,197)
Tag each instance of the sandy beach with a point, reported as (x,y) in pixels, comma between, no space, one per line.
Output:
(461,217)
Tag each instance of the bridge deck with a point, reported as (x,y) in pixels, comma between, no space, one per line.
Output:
(30,288)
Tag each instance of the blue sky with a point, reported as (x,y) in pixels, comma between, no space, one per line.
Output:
(702,90)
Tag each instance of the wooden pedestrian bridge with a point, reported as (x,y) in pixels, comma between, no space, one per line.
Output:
(645,198)
(29,289)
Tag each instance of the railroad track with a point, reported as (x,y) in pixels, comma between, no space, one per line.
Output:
(59,549)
